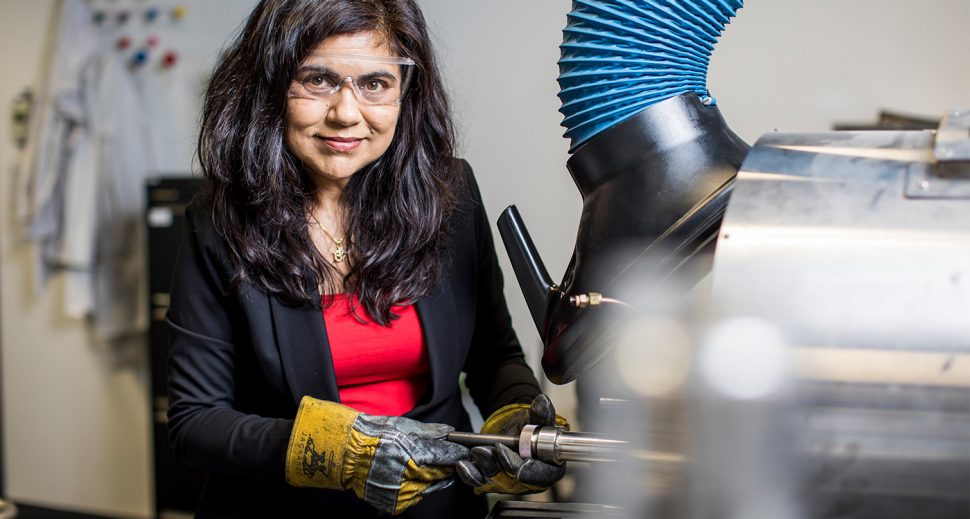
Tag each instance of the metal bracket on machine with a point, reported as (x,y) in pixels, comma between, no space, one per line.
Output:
(953,139)
(949,175)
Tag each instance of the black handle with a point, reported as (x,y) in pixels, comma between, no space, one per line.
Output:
(529,270)
(487,440)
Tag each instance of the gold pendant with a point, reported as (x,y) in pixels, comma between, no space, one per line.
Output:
(339,254)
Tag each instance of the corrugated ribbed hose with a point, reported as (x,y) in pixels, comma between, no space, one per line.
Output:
(621,56)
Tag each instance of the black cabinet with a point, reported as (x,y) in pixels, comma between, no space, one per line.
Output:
(177,486)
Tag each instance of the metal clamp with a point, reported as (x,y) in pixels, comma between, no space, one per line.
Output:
(952,146)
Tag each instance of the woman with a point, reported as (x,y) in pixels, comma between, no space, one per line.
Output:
(340,273)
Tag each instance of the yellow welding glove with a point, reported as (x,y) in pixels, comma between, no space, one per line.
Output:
(390,462)
(498,468)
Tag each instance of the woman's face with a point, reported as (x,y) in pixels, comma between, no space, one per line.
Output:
(336,136)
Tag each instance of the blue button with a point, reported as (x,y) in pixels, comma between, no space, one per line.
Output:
(140,57)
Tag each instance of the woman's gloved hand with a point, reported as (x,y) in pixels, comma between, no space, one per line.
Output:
(390,462)
(498,468)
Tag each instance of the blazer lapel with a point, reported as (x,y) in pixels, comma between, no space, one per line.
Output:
(301,337)
(440,326)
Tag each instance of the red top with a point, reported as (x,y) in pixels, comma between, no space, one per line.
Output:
(380,370)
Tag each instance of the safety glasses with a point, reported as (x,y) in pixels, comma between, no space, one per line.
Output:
(375,80)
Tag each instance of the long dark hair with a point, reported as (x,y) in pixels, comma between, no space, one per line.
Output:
(397,207)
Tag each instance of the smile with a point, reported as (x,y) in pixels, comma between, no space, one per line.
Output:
(342,143)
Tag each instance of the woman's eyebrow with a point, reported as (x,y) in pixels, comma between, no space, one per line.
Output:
(378,74)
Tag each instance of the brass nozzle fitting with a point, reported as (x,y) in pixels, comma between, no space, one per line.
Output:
(584,300)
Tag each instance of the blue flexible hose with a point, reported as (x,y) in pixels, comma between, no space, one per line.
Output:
(621,56)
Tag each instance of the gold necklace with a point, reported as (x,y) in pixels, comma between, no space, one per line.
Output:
(340,252)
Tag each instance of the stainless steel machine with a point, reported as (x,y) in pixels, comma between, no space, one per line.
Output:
(821,366)
(855,246)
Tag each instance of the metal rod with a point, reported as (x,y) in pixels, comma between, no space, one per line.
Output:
(584,447)
(550,443)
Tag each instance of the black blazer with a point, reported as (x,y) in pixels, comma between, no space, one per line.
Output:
(241,360)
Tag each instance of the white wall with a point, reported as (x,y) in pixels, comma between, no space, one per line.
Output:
(800,65)
(76,414)
(76,420)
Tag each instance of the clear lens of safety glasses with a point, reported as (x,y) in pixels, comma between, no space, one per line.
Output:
(376,80)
